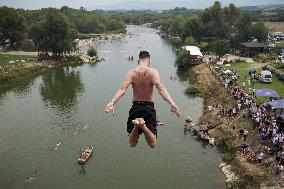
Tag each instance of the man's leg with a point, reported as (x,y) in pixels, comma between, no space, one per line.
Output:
(150,137)
(133,137)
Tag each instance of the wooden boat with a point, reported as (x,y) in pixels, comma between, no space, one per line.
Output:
(85,155)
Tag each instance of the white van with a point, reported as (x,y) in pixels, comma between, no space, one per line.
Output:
(265,76)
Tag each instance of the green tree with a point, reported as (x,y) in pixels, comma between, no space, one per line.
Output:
(12,25)
(259,31)
(190,41)
(231,13)
(92,52)
(192,27)
(214,24)
(54,34)
(243,28)
(183,60)
(204,45)
(220,47)
(177,25)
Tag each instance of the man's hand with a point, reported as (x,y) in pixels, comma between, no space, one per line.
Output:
(110,108)
(175,110)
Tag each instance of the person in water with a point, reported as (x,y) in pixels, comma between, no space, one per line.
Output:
(142,115)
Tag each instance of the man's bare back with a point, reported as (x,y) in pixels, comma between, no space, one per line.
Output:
(143,78)
(142,84)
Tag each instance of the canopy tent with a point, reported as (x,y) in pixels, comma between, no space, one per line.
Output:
(227,65)
(193,50)
(266,92)
(227,72)
(277,103)
(220,63)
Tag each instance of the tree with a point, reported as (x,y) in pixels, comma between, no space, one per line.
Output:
(231,13)
(12,25)
(243,28)
(192,27)
(259,31)
(214,24)
(54,34)
(190,41)
(204,45)
(220,47)
(183,60)
(177,25)
(92,52)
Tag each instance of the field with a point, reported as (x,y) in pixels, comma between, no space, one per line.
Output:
(243,68)
(278,66)
(4,58)
(275,26)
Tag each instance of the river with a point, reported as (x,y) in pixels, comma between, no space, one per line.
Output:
(37,114)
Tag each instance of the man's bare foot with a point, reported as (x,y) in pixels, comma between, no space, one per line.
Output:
(139,122)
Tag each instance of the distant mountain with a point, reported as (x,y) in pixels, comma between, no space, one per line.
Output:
(191,4)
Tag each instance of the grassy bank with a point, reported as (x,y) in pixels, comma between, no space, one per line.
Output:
(5,58)
(250,175)
(22,73)
(278,66)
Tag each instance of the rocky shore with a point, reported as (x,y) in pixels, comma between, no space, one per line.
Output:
(238,171)
(88,40)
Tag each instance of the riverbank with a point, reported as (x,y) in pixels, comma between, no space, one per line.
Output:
(18,72)
(226,135)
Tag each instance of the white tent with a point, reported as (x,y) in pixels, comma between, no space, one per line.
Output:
(227,72)
(193,50)
(220,63)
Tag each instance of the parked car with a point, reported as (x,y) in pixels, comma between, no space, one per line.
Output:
(281,77)
(265,76)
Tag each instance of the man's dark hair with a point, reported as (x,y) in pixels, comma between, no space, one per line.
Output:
(144,54)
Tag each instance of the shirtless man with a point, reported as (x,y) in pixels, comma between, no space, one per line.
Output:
(142,115)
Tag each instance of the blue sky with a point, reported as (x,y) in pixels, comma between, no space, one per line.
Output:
(128,4)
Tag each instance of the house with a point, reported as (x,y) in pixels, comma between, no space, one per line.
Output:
(253,48)
(195,54)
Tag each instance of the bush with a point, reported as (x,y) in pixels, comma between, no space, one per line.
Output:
(92,52)
(261,58)
(190,41)
(183,60)
(220,47)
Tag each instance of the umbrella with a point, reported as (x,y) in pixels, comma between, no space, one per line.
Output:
(266,92)
(277,103)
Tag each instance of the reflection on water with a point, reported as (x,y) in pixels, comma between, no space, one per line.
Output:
(82,170)
(2,97)
(23,89)
(61,88)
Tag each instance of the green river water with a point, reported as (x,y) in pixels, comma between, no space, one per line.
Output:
(37,114)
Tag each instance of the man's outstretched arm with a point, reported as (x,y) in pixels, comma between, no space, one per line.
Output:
(120,92)
(164,93)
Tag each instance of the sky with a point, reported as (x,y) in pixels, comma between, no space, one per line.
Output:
(129,4)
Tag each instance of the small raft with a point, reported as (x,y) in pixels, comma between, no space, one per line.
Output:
(85,155)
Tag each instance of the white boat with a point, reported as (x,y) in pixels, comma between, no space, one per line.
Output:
(86,155)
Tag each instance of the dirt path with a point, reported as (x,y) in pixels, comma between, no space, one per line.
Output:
(20,53)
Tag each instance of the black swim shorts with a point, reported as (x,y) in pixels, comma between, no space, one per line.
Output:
(145,110)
